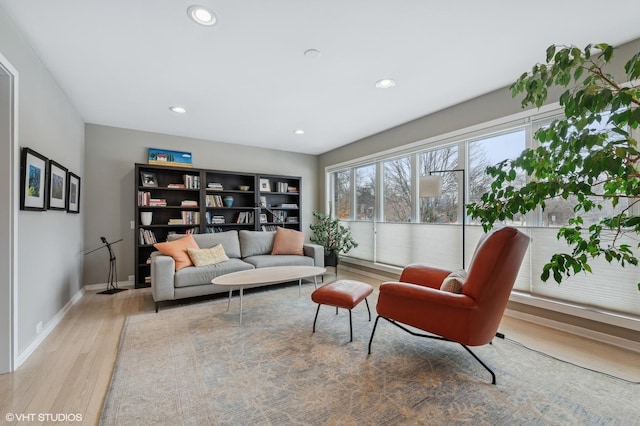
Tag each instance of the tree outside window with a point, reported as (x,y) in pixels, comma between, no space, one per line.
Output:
(365,192)
(397,190)
(342,194)
(443,209)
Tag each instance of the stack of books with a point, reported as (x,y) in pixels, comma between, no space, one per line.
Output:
(282,186)
(143,198)
(213,219)
(176,186)
(215,185)
(157,202)
(189,203)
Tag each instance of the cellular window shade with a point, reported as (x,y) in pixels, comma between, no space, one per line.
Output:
(609,287)
(363,233)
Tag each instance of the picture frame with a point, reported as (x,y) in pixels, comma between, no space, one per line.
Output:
(73,193)
(57,186)
(263,218)
(265,185)
(148,179)
(34,170)
(166,157)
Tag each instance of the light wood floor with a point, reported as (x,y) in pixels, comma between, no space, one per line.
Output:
(71,370)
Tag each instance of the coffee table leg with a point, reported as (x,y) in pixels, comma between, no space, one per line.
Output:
(241,305)
(229,301)
(315,282)
(299,287)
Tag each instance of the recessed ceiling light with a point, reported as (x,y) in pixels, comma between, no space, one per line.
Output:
(299,132)
(312,53)
(385,83)
(201,15)
(178,109)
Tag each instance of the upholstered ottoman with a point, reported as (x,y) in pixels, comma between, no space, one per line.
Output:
(344,294)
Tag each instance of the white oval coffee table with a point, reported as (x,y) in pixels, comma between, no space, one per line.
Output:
(266,276)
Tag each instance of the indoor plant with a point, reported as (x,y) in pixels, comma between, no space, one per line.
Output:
(333,236)
(590,154)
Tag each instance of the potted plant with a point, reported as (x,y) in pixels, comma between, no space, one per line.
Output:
(333,236)
(590,154)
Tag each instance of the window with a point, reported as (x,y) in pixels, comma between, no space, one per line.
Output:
(366,192)
(489,151)
(342,194)
(443,209)
(397,190)
(559,210)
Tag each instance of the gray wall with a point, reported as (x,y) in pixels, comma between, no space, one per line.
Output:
(109,192)
(49,243)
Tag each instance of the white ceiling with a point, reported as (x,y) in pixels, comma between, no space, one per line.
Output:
(246,80)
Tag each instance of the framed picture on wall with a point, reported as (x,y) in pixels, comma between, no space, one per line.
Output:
(73,193)
(33,180)
(57,186)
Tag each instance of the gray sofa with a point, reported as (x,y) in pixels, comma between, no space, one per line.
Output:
(245,249)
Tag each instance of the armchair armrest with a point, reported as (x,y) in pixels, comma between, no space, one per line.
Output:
(423,275)
(315,251)
(163,270)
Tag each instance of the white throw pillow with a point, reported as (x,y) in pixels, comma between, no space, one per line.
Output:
(454,282)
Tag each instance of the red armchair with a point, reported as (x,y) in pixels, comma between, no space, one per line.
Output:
(470,318)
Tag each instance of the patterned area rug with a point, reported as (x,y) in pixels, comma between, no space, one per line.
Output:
(196,365)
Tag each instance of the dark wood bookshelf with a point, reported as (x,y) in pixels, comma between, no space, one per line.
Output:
(213,185)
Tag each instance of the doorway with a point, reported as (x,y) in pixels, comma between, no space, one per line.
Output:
(8,214)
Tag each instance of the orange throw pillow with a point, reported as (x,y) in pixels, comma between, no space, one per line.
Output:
(288,241)
(178,250)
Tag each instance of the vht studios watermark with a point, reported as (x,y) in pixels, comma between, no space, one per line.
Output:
(43,417)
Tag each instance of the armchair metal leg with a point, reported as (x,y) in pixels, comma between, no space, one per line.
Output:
(375,324)
(493,375)
(431,336)
(316,318)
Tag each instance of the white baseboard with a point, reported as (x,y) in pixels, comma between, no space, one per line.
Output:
(369,274)
(579,331)
(51,325)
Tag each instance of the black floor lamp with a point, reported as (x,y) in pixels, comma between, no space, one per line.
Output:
(112,287)
(431,187)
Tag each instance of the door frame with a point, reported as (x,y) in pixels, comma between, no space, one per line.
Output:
(9,155)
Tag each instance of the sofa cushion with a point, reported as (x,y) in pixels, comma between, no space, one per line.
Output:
(207,256)
(178,250)
(228,239)
(204,274)
(266,260)
(288,241)
(254,243)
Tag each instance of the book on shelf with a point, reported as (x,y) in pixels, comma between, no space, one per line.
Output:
(143,198)
(147,279)
(147,236)
(214,229)
(292,219)
(292,189)
(157,202)
(214,201)
(191,181)
(282,186)
(176,186)
(189,203)
(213,219)
(269,228)
(215,185)
(245,217)
(287,206)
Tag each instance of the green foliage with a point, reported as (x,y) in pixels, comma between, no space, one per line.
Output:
(331,234)
(577,157)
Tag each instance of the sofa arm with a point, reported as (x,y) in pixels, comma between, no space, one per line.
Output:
(316,252)
(163,270)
